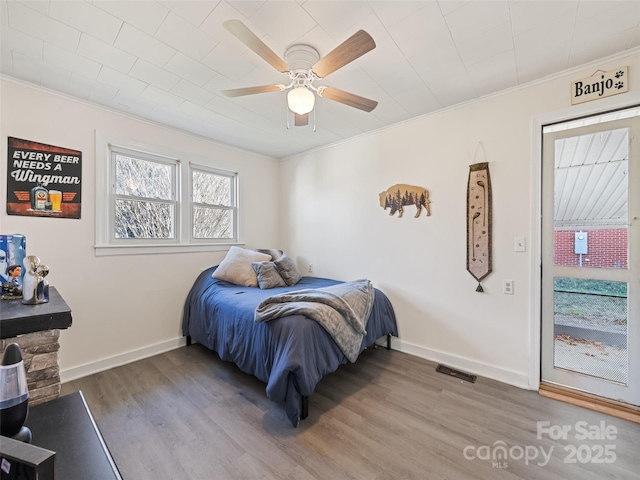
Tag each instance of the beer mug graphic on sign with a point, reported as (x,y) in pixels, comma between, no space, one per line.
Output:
(55,197)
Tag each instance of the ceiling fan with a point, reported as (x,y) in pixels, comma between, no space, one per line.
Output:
(303,67)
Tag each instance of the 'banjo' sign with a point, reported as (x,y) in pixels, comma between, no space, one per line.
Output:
(600,85)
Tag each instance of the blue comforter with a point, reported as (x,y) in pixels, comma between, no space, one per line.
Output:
(290,354)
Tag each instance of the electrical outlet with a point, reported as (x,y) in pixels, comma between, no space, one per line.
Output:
(311,268)
(507,287)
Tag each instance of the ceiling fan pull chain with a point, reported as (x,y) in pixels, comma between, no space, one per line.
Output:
(314,119)
(286,115)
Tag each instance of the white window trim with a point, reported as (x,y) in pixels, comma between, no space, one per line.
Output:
(183,243)
(175,200)
(198,167)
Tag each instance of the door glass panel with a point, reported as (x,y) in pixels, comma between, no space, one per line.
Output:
(591,200)
(590,250)
(590,327)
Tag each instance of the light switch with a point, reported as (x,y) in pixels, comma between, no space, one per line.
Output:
(520,244)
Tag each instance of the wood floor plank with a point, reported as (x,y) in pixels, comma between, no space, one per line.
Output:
(187,414)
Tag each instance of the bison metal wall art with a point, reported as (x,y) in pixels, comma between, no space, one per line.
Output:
(401,195)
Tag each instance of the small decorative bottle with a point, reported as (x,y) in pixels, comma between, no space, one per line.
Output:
(35,289)
(39,197)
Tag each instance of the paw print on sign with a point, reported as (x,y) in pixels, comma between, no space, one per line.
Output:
(619,85)
(619,74)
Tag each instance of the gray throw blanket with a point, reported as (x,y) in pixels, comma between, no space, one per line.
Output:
(342,309)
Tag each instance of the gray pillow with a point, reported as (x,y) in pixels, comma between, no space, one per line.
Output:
(268,276)
(287,269)
(275,254)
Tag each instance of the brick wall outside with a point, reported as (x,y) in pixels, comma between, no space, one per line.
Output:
(607,248)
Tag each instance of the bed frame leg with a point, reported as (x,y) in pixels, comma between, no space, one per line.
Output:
(188,340)
(388,341)
(304,407)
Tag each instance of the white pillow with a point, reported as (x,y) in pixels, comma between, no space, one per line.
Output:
(236,266)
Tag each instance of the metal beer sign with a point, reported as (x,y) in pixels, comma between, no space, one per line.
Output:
(43,180)
(600,85)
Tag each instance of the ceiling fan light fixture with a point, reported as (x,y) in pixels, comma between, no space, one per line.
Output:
(303,65)
(301,100)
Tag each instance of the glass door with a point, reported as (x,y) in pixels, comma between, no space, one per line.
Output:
(590,256)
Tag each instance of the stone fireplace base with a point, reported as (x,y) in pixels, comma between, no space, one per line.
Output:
(40,356)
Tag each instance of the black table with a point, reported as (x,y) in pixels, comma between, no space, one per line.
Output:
(17,319)
(65,425)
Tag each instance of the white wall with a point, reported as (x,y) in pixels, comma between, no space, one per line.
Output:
(331,218)
(327,213)
(124,307)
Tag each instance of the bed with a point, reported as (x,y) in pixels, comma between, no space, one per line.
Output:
(290,354)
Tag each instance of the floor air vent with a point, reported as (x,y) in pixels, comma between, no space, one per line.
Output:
(456,373)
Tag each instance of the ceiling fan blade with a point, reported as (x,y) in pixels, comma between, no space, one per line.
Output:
(347,98)
(353,47)
(246,36)
(239,92)
(301,120)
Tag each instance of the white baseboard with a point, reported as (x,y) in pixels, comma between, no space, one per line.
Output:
(470,366)
(503,375)
(74,373)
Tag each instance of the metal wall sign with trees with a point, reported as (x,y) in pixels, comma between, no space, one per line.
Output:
(401,195)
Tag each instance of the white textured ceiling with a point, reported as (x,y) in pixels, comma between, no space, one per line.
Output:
(167,61)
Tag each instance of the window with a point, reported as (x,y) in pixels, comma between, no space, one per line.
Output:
(144,200)
(213,206)
(154,201)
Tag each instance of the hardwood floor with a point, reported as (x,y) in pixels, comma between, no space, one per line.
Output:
(186,414)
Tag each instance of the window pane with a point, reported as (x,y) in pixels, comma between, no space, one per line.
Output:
(136,219)
(141,178)
(590,327)
(212,223)
(211,189)
(604,248)
(591,197)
